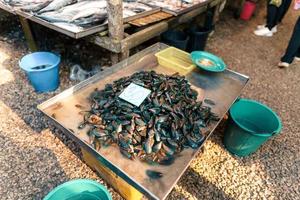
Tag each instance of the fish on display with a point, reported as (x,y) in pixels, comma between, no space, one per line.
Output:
(83,5)
(55,16)
(35,7)
(94,19)
(175,5)
(78,12)
(57,4)
(82,13)
(3,2)
(136,7)
(87,13)
(20,3)
(128,13)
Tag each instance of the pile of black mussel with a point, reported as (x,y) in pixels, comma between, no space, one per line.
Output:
(169,120)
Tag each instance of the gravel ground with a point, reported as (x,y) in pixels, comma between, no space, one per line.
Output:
(35,157)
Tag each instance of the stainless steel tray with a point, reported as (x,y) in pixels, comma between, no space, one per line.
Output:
(63,110)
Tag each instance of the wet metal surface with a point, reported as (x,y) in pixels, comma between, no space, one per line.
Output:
(222,88)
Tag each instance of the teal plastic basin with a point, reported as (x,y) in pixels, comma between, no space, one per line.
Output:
(80,189)
(250,125)
(218,63)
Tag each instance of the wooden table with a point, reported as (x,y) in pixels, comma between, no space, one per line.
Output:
(113,37)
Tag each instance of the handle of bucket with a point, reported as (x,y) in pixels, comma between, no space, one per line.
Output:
(237,99)
(277,131)
(279,126)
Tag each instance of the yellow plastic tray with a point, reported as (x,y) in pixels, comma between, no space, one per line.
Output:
(175,59)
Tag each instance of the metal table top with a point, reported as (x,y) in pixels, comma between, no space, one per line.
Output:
(223,88)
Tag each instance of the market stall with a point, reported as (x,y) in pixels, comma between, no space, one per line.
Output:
(111,33)
(134,177)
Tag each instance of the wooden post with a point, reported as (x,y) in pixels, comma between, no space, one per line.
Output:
(216,13)
(114,57)
(115,24)
(125,53)
(28,34)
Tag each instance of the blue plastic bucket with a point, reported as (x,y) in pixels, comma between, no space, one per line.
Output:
(42,70)
(80,189)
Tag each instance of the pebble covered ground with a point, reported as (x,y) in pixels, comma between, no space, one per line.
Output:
(35,157)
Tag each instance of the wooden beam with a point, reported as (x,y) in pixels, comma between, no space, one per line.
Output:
(105,33)
(28,34)
(107,43)
(144,35)
(102,40)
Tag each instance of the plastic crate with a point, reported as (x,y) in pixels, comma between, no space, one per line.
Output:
(175,59)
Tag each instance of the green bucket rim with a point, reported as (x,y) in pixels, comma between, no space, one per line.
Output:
(277,131)
(81,181)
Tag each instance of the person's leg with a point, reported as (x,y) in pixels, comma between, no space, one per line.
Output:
(298,54)
(267,18)
(269,28)
(283,10)
(271,16)
(294,45)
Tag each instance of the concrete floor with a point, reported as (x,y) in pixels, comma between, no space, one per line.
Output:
(35,157)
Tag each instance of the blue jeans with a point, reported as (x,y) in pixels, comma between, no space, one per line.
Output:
(293,49)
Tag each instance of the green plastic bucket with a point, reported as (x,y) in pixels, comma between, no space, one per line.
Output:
(80,189)
(250,125)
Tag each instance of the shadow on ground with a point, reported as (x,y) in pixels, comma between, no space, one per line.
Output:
(200,185)
(275,163)
(35,170)
(23,101)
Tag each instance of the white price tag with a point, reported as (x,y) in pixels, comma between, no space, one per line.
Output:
(135,94)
